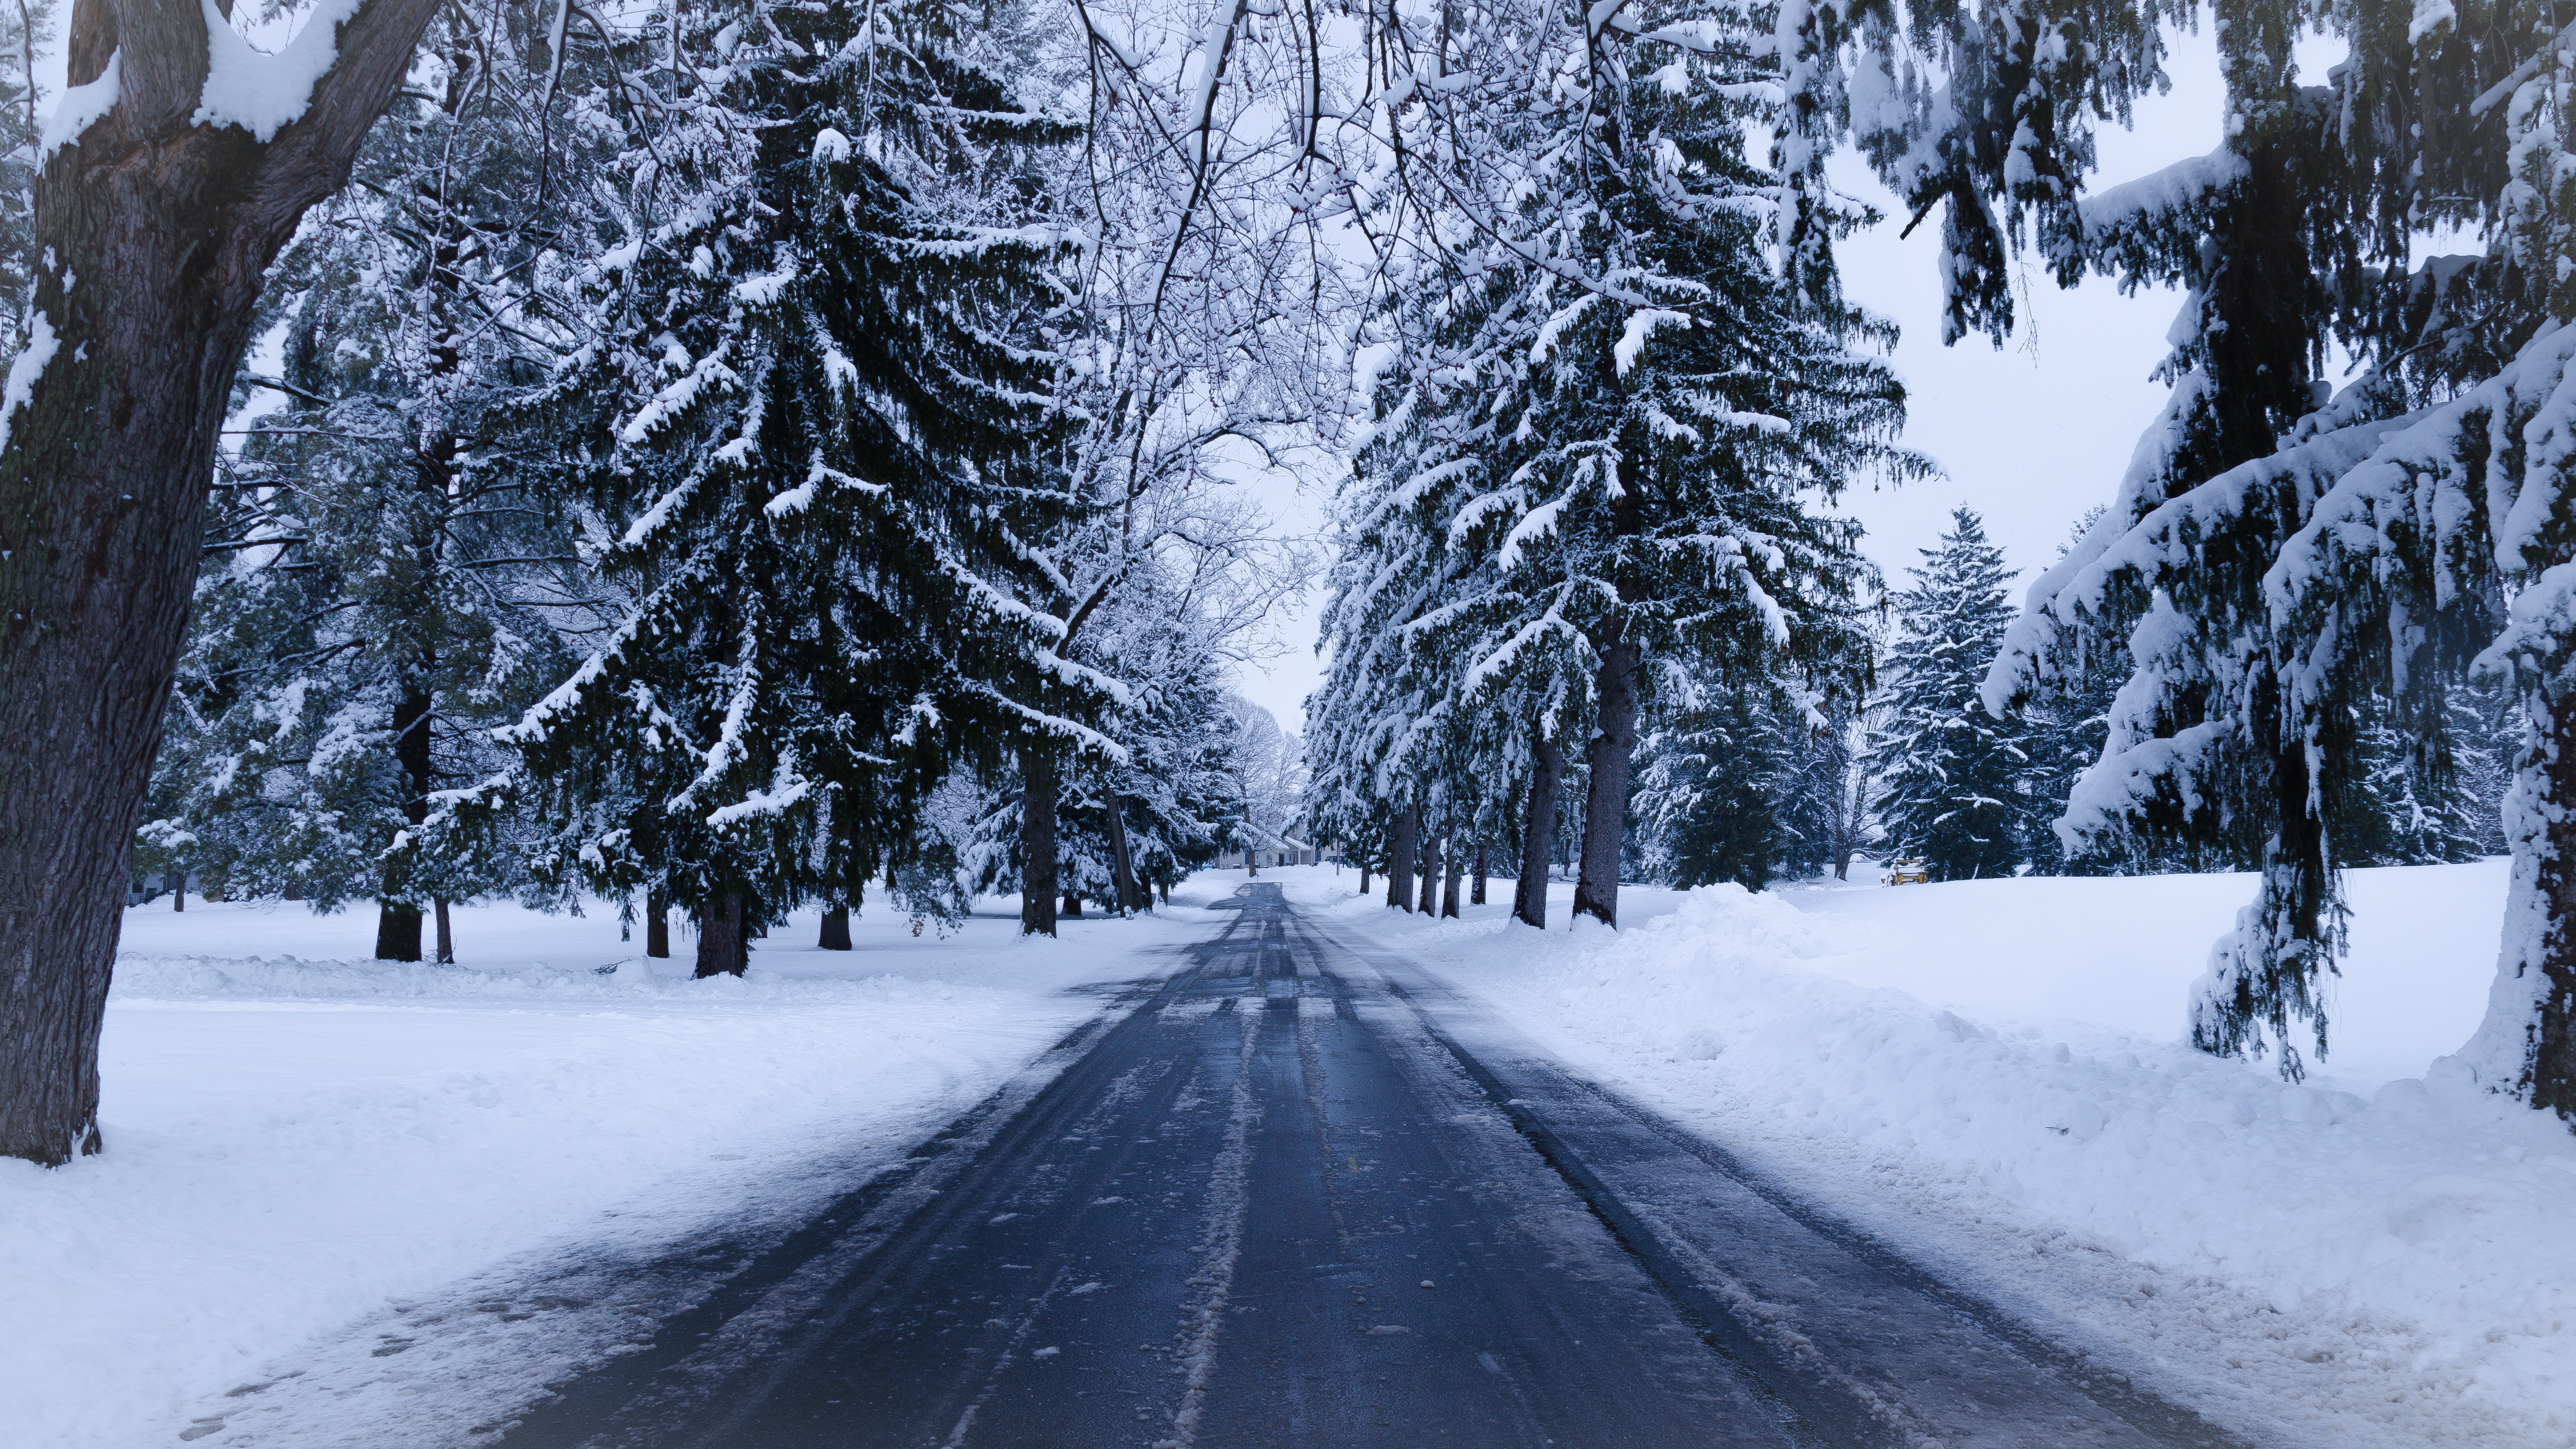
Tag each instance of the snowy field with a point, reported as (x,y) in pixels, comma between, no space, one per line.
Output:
(1992,1076)
(298,1136)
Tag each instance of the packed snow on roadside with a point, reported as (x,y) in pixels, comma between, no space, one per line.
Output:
(298,1136)
(1993,1077)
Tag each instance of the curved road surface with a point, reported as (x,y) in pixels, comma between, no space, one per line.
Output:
(1300,1195)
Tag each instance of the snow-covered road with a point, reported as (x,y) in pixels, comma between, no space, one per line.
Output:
(1283,1201)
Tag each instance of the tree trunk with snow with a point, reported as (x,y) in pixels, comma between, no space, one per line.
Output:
(836,930)
(398,922)
(1453,864)
(159,233)
(1484,867)
(1399,859)
(2527,1042)
(1538,836)
(657,923)
(722,948)
(177,880)
(1037,839)
(1605,806)
(1130,899)
(446,936)
(1427,869)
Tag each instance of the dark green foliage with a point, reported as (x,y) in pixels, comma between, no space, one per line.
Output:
(816,421)
(1952,778)
(386,580)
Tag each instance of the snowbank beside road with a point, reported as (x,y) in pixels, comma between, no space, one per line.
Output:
(2306,1263)
(292,1144)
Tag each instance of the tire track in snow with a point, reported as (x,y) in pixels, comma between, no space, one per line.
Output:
(1221,1239)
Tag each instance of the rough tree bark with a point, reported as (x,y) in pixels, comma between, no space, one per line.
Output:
(1123,866)
(2549,1065)
(159,232)
(836,930)
(1037,839)
(446,936)
(398,922)
(1538,836)
(1484,867)
(1453,863)
(657,923)
(1605,805)
(723,950)
(1399,860)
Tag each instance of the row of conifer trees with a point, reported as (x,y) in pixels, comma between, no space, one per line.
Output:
(731,461)
(1621,383)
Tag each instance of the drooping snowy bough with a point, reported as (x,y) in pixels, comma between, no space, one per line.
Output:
(2409,538)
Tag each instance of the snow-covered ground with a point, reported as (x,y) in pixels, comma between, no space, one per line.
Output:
(1992,1076)
(298,1136)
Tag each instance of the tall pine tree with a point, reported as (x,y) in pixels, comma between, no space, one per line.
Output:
(1951,776)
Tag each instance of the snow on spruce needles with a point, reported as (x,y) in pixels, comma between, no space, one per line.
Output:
(2304,1264)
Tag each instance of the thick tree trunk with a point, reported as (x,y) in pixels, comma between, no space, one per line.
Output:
(1122,864)
(159,233)
(1073,904)
(446,936)
(1538,836)
(836,929)
(1037,840)
(1453,863)
(397,932)
(2527,1043)
(1605,806)
(397,924)
(1484,867)
(723,950)
(1401,849)
(657,923)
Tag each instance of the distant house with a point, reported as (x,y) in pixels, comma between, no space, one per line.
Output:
(1269,848)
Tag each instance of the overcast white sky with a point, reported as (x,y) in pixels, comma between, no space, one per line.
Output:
(2031,435)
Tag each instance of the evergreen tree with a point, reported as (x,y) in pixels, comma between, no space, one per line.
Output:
(1607,420)
(2328,566)
(817,418)
(1719,793)
(385,578)
(1951,776)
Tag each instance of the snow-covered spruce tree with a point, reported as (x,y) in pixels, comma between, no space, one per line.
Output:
(1622,375)
(1125,827)
(816,410)
(384,577)
(1950,775)
(2372,550)
(1745,788)
(25,31)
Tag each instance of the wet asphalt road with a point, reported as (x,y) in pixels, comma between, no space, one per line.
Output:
(1298,1194)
